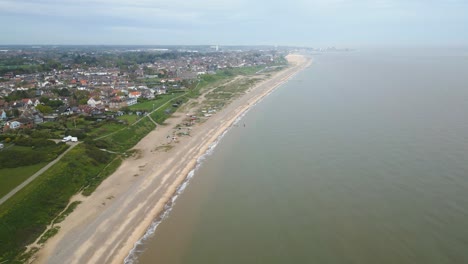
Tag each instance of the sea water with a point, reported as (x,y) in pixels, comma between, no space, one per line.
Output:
(360,158)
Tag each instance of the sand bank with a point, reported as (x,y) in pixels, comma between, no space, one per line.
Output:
(106,225)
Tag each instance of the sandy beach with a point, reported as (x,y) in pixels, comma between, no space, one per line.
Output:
(107,224)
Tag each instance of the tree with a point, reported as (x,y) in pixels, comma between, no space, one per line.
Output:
(44,100)
(45,109)
(81,96)
(64,92)
(55,103)
(16,95)
(83,101)
(15,112)
(125,109)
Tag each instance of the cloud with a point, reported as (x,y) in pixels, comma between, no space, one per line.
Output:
(259,21)
(147,13)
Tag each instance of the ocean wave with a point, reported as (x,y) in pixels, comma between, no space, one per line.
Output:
(132,258)
(139,245)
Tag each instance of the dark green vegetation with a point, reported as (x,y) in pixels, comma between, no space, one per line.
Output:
(127,137)
(65,59)
(48,234)
(29,151)
(21,65)
(25,216)
(67,211)
(167,109)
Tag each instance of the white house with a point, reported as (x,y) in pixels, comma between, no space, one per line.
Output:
(36,102)
(27,101)
(93,102)
(131,101)
(70,138)
(13,124)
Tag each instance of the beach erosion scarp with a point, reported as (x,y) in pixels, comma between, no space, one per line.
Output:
(107,225)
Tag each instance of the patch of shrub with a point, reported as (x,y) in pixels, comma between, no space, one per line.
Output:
(45,133)
(96,154)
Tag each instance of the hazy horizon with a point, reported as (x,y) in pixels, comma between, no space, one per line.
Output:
(308,23)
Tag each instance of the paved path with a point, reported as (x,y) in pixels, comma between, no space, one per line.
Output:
(35,175)
(152,120)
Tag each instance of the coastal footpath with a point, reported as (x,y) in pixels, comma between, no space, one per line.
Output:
(107,224)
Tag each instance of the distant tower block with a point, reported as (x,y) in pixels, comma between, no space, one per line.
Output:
(217,47)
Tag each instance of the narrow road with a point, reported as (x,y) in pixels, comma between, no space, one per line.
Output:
(152,120)
(35,175)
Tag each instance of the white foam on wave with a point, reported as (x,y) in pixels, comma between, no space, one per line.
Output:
(138,246)
(132,257)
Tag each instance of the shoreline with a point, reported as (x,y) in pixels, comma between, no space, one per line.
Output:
(185,179)
(108,225)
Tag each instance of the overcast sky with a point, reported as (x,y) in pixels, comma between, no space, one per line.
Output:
(282,22)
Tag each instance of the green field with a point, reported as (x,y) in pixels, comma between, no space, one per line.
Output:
(161,114)
(129,118)
(126,138)
(153,104)
(105,129)
(12,177)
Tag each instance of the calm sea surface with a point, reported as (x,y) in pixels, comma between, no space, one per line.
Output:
(361,158)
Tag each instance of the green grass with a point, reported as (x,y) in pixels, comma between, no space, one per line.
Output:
(210,80)
(19,156)
(25,216)
(48,234)
(225,93)
(129,118)
(12,177)
(68,211)
(128,137)
(161,115)
(151,82)
(47,125)
(104,129)
(153,104)
(106,171)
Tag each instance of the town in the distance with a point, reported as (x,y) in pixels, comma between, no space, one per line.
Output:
(40,84)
